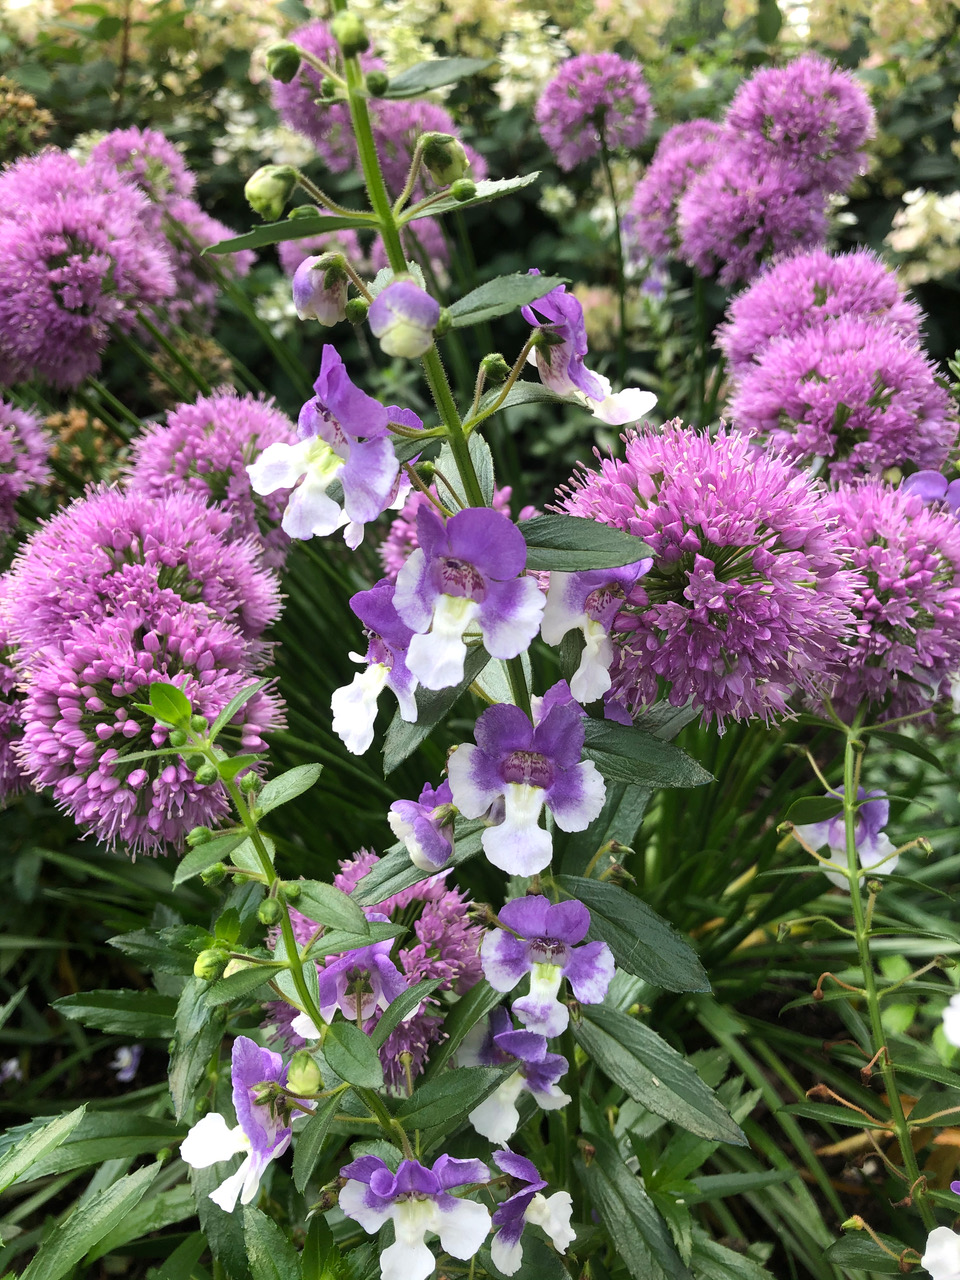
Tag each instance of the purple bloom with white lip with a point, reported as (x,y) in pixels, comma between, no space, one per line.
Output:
(355,705)
(933,487)
(361,981)
(125,1063)
(590,602)
(402,318)
(537,1073)
(527,1205)
(259,1132)
(465,574)
(873,844)
(344,435)
(546,948)
(320,289)
(527,765)
(418,1200)
(425,826)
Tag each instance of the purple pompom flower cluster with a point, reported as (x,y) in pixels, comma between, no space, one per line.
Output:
(594,99)
(24,449)
(684,151)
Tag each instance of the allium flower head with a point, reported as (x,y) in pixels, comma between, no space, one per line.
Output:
(24,449)
(81,722)
(809,114)
(206,447)
(153,163)
(592,97)
(684,151)
(397,124)
(746,598)
(905,649)
(806,290)
(111,546)
(189,230)
(740,212)
(853,392)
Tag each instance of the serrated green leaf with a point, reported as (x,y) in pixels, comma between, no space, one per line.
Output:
(223,1231)
(352,1055)
(196,1037)
(270,1251)
(402,738)
(181,1264)
(153,1213)
(487,190)
(447,1099)
(464,1015)
(501,296)
(712,1261)
(142,1014)
(624,754)
(832,1115)
(858,1252)
(424,76)
(813,809)
(205,855)
(241,984)
(17,1161)
(289,229)
(335,942)
(229,768)
(398,1009)
(326,904)
(233,706)
(169,950)
(287,786)
(170,704)
(98,1137)
(571,544)
(310,1140)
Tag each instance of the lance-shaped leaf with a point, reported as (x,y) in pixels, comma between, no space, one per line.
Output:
(287,786)
(432,706)
(424,76)
(289,229)
(572,544)
(488,189)
(141,1014)
(18,1160)
(625,754)
(501,296)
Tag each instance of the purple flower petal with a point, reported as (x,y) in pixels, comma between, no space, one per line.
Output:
(589,972)
(504,959)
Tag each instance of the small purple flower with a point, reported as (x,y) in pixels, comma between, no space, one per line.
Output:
(403,317)
(526,765)
(527,1205)
(259,1131)
(126,1062)
(355,705)
(10,1069)
(593,99)
(464,574)
(537,1073)
(417,1200)
(320,289)
(425,826)
(149,159)
(934,487)
(361,981)
(544,944)
(344,436)
(292,252)
(873,845)
(589,602)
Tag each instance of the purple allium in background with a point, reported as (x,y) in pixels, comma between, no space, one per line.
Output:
(190,229)
(806,289)
(423,241)
(905,651)
(111,546)
(75,258)
(397,124)
(205,447)
(742,211)
(80,719)
(594,95)
(24,449)
(153,163)
(747,598)
(853,392)
(12,780)
(684,151)
(808,114)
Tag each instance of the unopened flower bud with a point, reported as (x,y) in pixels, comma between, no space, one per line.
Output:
(356,310)
(269,911)
(249,781)
(350,33)
(303,211)
(463,189)
(198,835)
(269,189)
(403,317)
(444,158)
(426,470)
(303,1075)
(164,1154)
(328,88)
(283,61)
(291,890)
(177,738)
(320,288)
(194,760)
(199,724)
(214,875)
(206,775)
(377,83)
(210,964)
(495,368)
(237,966)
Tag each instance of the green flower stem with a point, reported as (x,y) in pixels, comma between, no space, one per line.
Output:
(475,417)
(851,775)
(321,197)
(391,1127)
(621,280)
(179,359)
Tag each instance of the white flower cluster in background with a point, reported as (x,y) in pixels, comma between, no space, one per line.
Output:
(927,231)
(24,18)
(532,50)
(275,308)
(248,144)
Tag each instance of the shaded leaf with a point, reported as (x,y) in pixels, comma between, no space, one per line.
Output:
(447,1099)
(482,460)
(197,1035)
(501,296)
(240,984)
(310,1140)
(858,1251)
(432,706)
(17,1161)
(352,1055)
(233,706)
(398,1009)
(631,755)
(813,809)
(326,904)
(487,189)
(270,1251)
(288,229)
(572,544)
(464,1015)
(143,1014)
(424,76)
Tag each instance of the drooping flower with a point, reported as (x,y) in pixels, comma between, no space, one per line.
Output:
(527,765)
(355,705)
(934,487)
(873,845)
(24,449)
(320,289)
(808,113)
(126,1062)
(593,99)
(559,354)
(747,598)
(684,151)
(109,547)
(852,392)
(425,826)
(537,1073)
(951,1027)
(206,447)
(82,724)
(589,602)
(402,318)
(343,436)
(259,1132)
(417,1200)
(360,982)
(149,160)
(941,1256)
(527,1205)
(543,942)
(292,252)
(904,652)
(804,290)
(463,575)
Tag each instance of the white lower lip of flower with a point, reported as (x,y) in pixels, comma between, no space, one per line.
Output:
(592,677)
(941,1257)
(305,1027)
(436,658)
(541,1011)
(355,707)
(409,1258)
(553,1215)
(497,1117)
(519,845)
(951,1021)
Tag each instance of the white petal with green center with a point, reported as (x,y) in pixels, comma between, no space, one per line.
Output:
(436,658)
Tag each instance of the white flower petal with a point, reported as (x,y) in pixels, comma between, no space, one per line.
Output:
(436,658)
(519,845)
(311,512)
(463,1228)
(553,1215)
(592,678)
(228,1192)
(305,1027)
(353,1202)
(577,817)
(211,1140)
(497,1117)
(941,1257)
(629,405)
(280,466)
(354,708)
(506,1257)
(471,799)
(560,613)
(951,1021)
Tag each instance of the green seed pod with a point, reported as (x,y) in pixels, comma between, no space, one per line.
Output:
(328,88)
(250,781)
(291,890)
(444,158)
(356,310)
(495,367)
(269,911)
(463,189)
(377,83)
(206,775)
(177,738)
(198,835)
(214,875)
(350,33)
(199,724)
(283,61)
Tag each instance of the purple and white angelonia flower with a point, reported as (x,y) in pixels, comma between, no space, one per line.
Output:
(402,318)
(527,1205)
(951,1021)
(933,487)
(425,826)
(343,436)
(497,1044)
(589,602)
(543,943)
(125,1063)
(873,844)
(464,576)
(417,1200)
(527,765)
(559,354)
(260,1134)
(361,981)
(320,288)
(355,705)
(941,1256)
